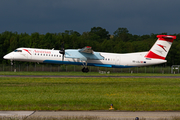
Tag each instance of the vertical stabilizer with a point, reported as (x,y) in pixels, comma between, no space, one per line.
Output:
(161,48)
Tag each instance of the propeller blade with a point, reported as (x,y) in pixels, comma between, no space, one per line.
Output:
(63,58)
(62,51)
(62,46)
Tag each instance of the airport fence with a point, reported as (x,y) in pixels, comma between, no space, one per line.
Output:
(76,68)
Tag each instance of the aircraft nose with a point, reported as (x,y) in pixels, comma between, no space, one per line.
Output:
(8,56)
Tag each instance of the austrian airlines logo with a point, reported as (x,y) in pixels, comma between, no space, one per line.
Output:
(27,51)
(163,47)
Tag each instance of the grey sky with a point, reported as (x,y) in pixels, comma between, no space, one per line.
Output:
(54,16)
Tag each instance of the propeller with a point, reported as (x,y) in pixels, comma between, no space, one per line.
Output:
(62,51)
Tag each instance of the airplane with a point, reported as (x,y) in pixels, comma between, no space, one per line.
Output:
(87,57)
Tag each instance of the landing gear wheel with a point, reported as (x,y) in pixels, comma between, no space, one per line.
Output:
(86,70)
(83,69)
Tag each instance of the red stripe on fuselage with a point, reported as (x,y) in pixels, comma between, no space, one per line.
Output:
(27,51)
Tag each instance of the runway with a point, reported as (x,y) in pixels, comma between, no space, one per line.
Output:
(97,115)
(74,76)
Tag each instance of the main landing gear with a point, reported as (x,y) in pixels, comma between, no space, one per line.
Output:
(85,70)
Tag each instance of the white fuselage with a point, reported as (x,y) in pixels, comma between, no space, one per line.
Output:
(109,59)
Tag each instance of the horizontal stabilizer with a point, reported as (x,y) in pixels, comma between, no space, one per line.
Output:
(166,36)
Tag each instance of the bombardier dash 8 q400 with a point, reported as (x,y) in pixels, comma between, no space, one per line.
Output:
(87,57)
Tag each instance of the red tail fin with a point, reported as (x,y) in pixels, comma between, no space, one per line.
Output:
(161,48)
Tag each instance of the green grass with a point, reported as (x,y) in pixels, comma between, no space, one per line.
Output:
(86,74)
(126,94)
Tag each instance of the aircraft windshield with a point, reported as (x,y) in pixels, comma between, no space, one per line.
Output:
(17,50)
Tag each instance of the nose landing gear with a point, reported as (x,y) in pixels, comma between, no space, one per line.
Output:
(11,62)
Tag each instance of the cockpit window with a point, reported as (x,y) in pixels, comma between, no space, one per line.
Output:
(17,50)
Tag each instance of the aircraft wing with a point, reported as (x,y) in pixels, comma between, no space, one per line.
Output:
(83,54)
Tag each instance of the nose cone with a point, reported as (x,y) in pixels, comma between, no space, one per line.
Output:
(8,56)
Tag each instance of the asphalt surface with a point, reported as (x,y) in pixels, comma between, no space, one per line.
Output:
(64,76)
(115,115)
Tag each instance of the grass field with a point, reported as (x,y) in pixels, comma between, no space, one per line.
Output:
(126,94)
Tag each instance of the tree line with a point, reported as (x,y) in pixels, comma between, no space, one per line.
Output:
(98,38)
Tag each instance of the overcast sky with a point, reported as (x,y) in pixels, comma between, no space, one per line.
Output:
(138,16)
